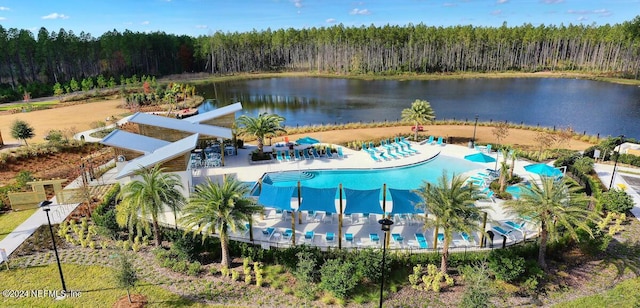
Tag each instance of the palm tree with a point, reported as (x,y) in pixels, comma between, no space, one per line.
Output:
(224,207)
(452,204)
(556,207)
(420,112)
(263,125)
(147,196)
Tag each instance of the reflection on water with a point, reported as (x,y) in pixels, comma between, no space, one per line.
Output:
(586,106)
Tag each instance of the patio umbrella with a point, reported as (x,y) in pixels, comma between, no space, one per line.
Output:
(480,158)
(307,140)
(543,170)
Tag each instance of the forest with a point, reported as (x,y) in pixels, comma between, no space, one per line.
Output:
(34,63)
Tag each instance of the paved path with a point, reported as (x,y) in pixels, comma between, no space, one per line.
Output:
(57,214)
(625,177)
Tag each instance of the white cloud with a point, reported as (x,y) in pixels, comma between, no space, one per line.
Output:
(202,26)
(4,8)
(359,12)
(3,18)
(55,16)
(496,12)
(583,18)
(297,3)
(600,12)
(552,1)
(146,22)
(502,1)
(330,20)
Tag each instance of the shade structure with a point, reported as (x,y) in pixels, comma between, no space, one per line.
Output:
(318,199)
(543,170)
(307,140)
(276,197)
(363,201)
(480,158)
(404,202)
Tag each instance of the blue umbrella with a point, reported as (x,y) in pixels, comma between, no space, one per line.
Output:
(307,140)
(543,170)
(480,158)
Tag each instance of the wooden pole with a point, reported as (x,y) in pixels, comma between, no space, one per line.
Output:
(484,226)
(340,219)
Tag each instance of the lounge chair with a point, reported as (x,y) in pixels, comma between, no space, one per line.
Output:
(374,238)
(267,233)
(400,151)
(440,141)
(440,238)
(297,155)
(516,226)
(430,140)
(365,217)
(247,229)
(279,156)
(312,216)
(391,154)
(422,242)
(315,153)
(466,238)
(328,216)
(349,238)
(328,150)
(340,154)
(305,153)
(329,237)
(488,148)
(308,236)
(286,235)
(397,238)
(506,233)
(403,141)
(374,157)
(287,156)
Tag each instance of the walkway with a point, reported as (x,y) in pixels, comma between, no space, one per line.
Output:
(623,177)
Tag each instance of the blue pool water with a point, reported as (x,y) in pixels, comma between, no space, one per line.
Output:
(409,177)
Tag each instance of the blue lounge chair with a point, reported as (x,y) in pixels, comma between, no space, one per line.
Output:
(340,154)
(372,147)
(308,236)
(247,229)
(401,152)
(266,233)
(297,155)
(397,238)
(374,238)
(391,154)
(315,153)
(403,141)
(516,226)
(422,242)
(440,141)
(328,150)
(410,149)
(305,153)
(312,216)
(374,157)
(286,235)
(500,231)
(349,238)
(488,148)
(466,238)
(329,237)
(287,156)
(440,238)
(279,156)
(430,140)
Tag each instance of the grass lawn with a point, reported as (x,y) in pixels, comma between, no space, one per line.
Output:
(96,285)
(625,294)
(10,220)
(29,105)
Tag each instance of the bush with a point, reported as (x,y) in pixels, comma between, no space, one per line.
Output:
(616,201)
(479,288)
(367,262)
(338,277)
(506,264)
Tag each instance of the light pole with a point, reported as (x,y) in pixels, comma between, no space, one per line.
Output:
(45,205)
(473,141)
(385,223)
(615,164)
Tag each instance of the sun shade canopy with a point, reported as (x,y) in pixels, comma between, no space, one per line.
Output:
(276,197)
(405,201)
(362,201)
(318,199)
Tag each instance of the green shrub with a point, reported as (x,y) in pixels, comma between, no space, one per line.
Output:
(235,275)
(616,201)
(180,266)
(338,277)
(506,264)
(593,245)
(367,262)
(478,286)
(194,268)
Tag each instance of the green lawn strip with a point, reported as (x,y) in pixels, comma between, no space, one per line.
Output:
(95,284)
(10,220)
(28,105)
(624,294)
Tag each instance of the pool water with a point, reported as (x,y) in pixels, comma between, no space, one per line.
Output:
(409,177)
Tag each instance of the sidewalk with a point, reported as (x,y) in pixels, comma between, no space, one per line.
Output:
(604,173)
(57,214)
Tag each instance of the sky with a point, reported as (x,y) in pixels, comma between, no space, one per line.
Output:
(204,17)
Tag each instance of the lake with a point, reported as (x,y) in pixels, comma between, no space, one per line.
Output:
(587,106)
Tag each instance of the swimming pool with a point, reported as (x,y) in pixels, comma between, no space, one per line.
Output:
(409,177)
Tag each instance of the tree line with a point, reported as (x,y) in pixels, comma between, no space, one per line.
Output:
(29,61)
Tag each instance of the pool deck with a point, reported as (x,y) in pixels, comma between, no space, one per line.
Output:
(360,228)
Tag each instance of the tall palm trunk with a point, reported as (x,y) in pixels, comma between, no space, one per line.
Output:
(224,244)
(444,261)
(415,132)
(156,232)
(129,295)
(260,144)
(544,235)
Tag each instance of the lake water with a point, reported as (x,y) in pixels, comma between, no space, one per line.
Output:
(587,106)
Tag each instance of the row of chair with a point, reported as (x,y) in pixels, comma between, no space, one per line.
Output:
(389,150)
(432,141)
(306,154)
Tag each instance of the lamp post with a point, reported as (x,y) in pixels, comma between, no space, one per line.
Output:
(45,205)
(385,223)
(615,164)
(473,141)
